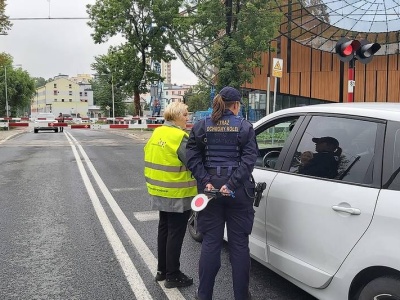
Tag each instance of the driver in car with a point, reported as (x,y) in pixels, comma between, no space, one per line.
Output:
(325,162)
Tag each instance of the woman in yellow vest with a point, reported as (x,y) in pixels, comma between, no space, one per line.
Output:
(172,188)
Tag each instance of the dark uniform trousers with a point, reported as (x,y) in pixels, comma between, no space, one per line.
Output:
(238,214)
(171,231)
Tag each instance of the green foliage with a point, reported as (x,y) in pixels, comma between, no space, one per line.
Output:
(146,27)
(235,33)
(5,23)
(103,88)
(198,97)
(20,87)
(39,81)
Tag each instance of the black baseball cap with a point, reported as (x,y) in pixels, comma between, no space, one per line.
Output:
(230,94)
(327,139)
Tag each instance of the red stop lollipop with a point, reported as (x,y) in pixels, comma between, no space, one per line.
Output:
(199,202)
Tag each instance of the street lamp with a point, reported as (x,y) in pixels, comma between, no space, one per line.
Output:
(112,96)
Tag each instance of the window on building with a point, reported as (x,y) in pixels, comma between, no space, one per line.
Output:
(85,93)
(70,93)
(70,100)
(55,100)
(70,86)
(166,93)
(55,92)
(62,100)
(80,94)
(55,85)
(179,92)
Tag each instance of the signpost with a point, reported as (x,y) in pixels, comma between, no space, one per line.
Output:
(277,70)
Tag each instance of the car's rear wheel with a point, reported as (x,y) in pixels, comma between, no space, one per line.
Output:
(192,226)
(35,130)
(382,288)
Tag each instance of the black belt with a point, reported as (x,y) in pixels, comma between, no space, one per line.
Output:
(222,171)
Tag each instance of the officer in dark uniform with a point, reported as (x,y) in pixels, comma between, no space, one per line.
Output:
(221,153)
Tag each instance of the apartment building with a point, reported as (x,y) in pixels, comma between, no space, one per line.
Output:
(63,95)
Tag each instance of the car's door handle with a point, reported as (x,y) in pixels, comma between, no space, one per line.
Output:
(349,210)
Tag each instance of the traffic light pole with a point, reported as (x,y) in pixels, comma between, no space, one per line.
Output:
(351,81)
(351,50)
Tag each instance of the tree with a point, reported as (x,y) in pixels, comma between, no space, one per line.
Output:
(106,81)
(235,34)
(20,87)
(5,23)
(146,27)
(198,97)
(39,81)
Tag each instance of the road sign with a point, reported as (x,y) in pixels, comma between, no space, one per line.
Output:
(277,67)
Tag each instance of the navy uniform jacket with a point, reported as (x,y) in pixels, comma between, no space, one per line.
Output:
(195,150)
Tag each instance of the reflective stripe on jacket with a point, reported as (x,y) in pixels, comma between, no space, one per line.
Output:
(166,176)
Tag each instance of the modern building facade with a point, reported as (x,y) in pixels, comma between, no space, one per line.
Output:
(312,71)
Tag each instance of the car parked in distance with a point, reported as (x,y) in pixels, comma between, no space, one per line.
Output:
(329,218)
(45,122)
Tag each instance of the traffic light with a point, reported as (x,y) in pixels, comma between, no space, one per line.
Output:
(346,48)
(367,50)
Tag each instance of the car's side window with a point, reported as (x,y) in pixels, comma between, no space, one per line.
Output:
(271,139)
(393,182)
(337,148)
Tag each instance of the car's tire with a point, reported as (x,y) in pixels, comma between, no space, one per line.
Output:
(35,130)
(56,130)
(386,287)
(192,227)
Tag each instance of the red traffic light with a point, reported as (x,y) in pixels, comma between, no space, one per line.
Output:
(367,50)
(346,48)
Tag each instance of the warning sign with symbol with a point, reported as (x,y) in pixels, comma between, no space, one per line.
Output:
(277,67)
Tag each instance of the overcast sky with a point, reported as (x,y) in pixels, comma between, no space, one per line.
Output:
(46,48)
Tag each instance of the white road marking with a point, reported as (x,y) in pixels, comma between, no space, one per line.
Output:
(135,281)
(136,240)
(146,215)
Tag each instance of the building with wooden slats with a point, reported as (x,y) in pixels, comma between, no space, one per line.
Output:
(312,71)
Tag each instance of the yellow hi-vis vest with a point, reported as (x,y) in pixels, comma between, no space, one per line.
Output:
(166,176)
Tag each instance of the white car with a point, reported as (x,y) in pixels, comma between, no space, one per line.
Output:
(334,233)
(45,121)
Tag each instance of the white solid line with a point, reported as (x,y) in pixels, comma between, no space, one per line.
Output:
(135,281)
(137,241)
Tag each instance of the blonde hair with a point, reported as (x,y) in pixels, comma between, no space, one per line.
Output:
(174,110)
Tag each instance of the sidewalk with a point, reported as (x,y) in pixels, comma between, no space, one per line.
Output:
(8,134)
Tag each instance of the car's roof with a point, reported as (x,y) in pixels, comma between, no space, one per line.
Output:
(383,111)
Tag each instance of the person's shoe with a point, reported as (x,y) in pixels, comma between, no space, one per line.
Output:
(178,280)
(160,276)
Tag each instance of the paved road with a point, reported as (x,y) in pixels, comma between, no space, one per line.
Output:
(76,223)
